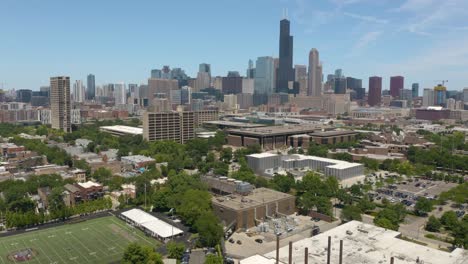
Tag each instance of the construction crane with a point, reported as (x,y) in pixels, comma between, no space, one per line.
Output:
(441,81)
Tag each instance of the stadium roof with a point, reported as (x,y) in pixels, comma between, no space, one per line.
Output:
(153,224)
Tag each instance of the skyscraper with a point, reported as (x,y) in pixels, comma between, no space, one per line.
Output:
(205,67)
(374,97)
(156,74)
(300,75)
(285,69)
(397,83)
(60,103)
(355,85)
(415,89)
(440,95)
(314,87)
(264,75)
(91,88)
(120,95)
(428,97)
(78,91)
(251,70)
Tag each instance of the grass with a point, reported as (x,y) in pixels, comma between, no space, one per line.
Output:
(101,240)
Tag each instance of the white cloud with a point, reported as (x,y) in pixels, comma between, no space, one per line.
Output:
(366,18)
(367,39)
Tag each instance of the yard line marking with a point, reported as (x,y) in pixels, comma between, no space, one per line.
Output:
(40,249)
(53,249)
(79,241)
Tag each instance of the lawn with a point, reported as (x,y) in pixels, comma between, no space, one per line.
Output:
(101,240)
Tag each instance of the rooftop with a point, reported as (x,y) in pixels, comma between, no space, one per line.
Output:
(137,158)
(277,130)
(88,184)
(263,155)
(150,222)
(233,124)
(363,243)
(256,198)
(123,129)
(334,133)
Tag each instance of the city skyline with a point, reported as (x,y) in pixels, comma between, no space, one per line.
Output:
(414,50)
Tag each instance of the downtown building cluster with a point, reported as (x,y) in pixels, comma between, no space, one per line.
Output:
(270,85)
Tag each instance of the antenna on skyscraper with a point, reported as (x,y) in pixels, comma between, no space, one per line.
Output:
(286,13)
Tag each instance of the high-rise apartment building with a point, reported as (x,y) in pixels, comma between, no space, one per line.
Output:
(415,89)
(247,86)
(177,126)
(285,69)
(60,103)
(314,87)
(91,88)
(465,95)
(397,83)
(374,97)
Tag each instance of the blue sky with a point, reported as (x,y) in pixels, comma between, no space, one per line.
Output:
(424,40)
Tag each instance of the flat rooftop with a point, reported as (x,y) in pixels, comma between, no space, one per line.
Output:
(256,198)
(122,129)
(333,133)
(263,155)
(277,130)
(363,243)
(233,124)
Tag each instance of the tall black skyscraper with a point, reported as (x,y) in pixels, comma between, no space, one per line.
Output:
(91,88)
(285,72)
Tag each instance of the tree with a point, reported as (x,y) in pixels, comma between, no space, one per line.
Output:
(175,250)
(283,183)
(371,164)
(356,190)
(192,204)
(343,156)
(385,223)
(226,155)
(213,259)
(433,224)
(365,205)
(423,206)
(138,254)
(209,229)
(351,212)
(449,220)
(317,150)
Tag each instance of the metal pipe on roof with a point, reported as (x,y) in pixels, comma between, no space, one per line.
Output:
(392,260)
(290,252)
(329,250)
(277,249)
(341,252)
(306,255)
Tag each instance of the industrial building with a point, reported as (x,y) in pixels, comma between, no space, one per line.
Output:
(267,164)
(246,211)
(269,137)
(177,126)
(361,243)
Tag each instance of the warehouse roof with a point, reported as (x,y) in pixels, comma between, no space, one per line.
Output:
(122,129)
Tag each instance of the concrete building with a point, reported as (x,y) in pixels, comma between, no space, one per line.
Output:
(161,86)
(245,211)
(245,100)
(314,86)
(428,97)
(120,94)
(137,161)
(322,138)
(232,85)
(177,126)
(362,243)
(60,103)
(79,93)
(267,164)
(465,95)
(248,86)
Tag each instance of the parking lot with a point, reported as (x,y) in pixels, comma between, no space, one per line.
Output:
(408,192)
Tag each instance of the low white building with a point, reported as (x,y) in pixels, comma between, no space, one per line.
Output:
(269,163)
(362,243)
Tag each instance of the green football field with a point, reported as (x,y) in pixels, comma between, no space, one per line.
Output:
(101,240)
